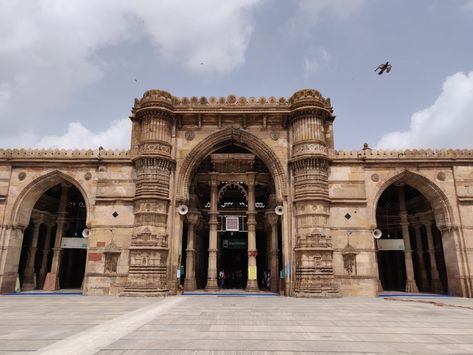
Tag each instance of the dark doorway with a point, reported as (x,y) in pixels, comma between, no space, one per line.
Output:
(234,259)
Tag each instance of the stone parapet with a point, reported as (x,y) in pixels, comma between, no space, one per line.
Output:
(409,154)
(63,154)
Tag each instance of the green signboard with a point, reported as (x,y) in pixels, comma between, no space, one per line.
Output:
(234,243)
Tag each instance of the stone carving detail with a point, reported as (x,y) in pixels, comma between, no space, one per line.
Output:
(88,176)
(190,135)
(349,259)
(146,238)
(155,148)
(310,148)
(314,268)
(375,177)
(21,176)
(441,176)
(274,135)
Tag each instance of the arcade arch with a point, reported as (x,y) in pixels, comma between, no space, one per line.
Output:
(51,252)
(231,228)
(410,251)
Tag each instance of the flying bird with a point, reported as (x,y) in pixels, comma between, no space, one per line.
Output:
(383,67)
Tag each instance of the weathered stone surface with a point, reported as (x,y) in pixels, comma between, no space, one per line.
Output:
(131,196)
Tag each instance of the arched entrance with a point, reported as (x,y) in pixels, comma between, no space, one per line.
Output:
(51,253)
(410,251)
(231,236)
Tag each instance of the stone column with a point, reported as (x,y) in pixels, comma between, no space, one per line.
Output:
(153,119)
(44,258)
(212,271)
(436,284)
(310,116)
(420,257)
(29,281)
(411,285)
(273,251)
(252,284)
(189,282)
(52,278)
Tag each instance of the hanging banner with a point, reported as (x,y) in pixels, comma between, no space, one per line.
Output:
(251,272)
(390,244)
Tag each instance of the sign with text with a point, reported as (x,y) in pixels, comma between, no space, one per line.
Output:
(231,223)
(390,244)
(234,243)
(74,243)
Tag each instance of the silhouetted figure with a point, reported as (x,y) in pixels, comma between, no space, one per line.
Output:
(383,67)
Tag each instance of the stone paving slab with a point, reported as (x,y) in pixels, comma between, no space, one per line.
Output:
(224,325)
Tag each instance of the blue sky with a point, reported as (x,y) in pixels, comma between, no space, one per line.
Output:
(69,67)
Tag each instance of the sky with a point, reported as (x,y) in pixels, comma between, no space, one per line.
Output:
(70,69)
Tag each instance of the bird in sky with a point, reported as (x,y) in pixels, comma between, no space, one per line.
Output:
(383,67)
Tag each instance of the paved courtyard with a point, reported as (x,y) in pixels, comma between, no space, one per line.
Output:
(70,324)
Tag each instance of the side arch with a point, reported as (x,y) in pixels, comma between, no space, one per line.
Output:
(237,137)
(441,207)
(23,206)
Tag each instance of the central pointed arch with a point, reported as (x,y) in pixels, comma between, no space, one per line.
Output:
(237,137)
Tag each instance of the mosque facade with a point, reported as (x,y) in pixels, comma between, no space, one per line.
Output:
(236,193)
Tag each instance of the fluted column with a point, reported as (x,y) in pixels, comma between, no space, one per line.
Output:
(189,282)
(436,284)
(420,257)
(29,281)
(274,252)
(252,284)
(212,271)
(411,285)
(44,257)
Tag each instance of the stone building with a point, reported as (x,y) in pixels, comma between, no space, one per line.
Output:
(252,187)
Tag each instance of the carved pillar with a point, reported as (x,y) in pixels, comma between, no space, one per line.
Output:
(411,285)
(29,280)
(189,282)
(212,271)
(52,278)
(44,257)
(310,114)
(272,219)
(252,284)
(436,284)
(420,256)
(152,118)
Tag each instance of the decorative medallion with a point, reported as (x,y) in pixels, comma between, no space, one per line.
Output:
(88,175)
(441,176)
(274,135)
(22,176)
(190,135)
(375,177)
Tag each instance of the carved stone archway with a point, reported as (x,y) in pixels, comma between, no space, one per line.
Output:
(438,200)
(220,139)
(453,244)
(21,211)
(19,217)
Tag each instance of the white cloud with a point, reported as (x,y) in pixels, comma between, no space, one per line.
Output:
(315,61)
(117,136)
(448,123)
(310,11)
(48,47)
(340,9)
(468,5)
